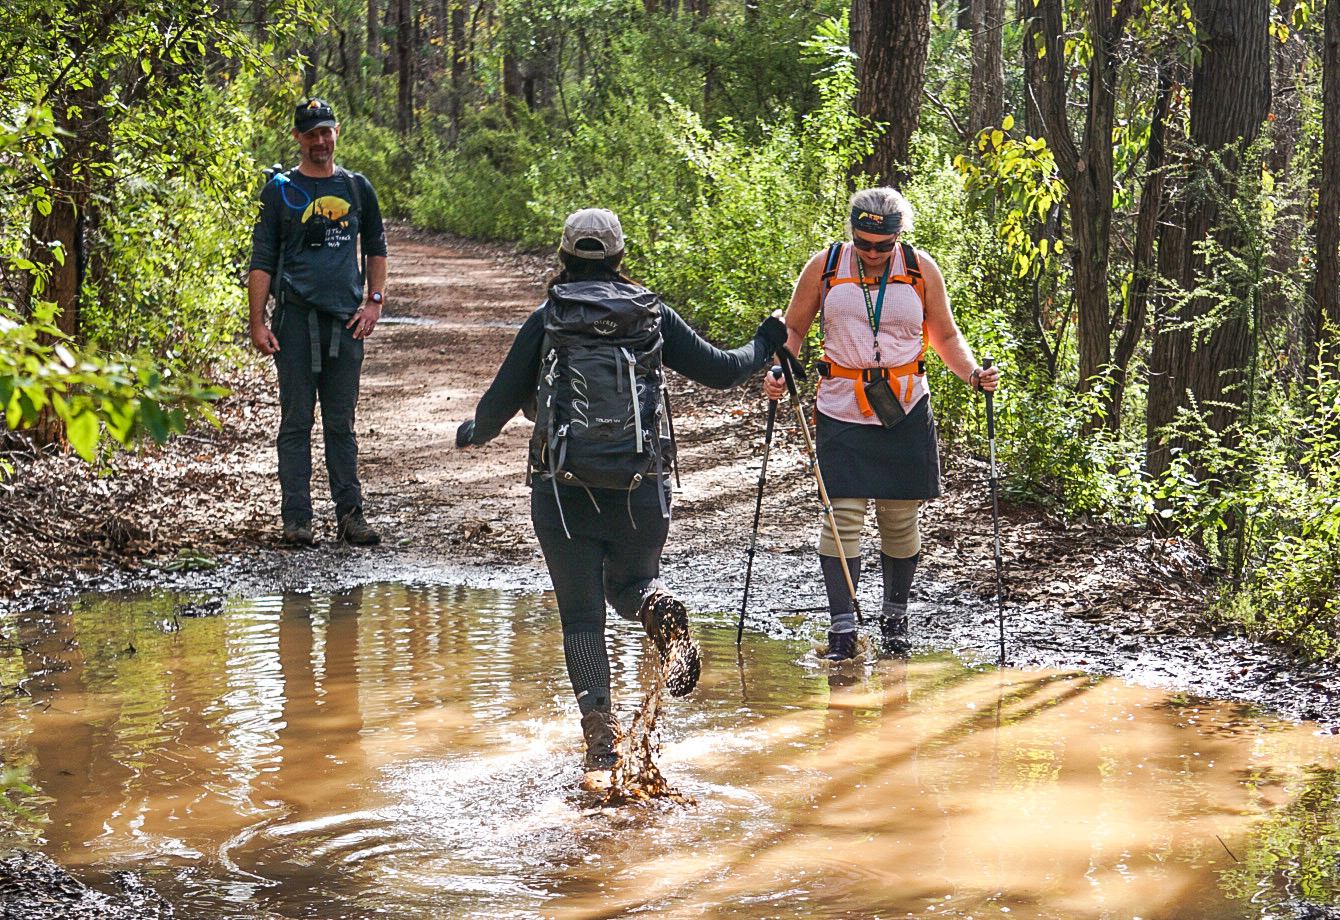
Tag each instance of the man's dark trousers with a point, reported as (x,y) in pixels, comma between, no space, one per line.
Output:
(336,387)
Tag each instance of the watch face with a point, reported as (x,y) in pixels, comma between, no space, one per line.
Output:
(377,298)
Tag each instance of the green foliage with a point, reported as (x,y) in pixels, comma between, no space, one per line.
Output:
(718,221)
(90,394)
(133,118)
(1017,181)
(171,237)
(482,188)
(1290,492)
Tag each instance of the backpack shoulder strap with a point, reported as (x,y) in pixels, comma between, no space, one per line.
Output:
(354,181)
(288,219)
(831,265)
(912,266)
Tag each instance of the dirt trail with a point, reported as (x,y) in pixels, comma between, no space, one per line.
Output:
(1077,597)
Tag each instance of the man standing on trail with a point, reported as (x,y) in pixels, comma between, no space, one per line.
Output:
(304,251)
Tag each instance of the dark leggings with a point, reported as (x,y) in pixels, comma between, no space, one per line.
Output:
(608,555)
(612,554)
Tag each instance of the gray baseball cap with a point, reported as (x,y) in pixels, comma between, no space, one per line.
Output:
(592,233)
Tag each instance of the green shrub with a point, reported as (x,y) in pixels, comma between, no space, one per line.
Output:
(482,188)
(169,243)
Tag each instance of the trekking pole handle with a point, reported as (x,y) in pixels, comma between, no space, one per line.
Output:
(990,415)
(789,368)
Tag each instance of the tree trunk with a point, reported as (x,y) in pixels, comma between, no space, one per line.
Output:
(458,68)
(986,87)
(1086,166)
(404,53)
(858,35)
(1143,269)
(511,77)
(374,31)
(58,236)
(1230,97)
(1283,319)
(893,73)
(1326,285)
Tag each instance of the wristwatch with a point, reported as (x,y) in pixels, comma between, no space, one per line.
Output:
(376,297)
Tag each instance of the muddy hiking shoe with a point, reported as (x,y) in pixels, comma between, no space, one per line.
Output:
(298,534)
(353,528)
(841,646)
(667,622)
(895,638)
(602,733)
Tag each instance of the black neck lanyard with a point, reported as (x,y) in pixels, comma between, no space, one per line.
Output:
(875,310)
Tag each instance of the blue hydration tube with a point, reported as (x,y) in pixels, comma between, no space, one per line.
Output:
(285,183)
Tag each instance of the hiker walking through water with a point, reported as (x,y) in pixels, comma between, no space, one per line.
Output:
(879,302)
(303,249)
(589,363)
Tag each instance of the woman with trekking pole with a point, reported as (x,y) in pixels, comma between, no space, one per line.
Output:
(587,367)
(879,303)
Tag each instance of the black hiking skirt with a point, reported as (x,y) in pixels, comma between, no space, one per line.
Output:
(871,461)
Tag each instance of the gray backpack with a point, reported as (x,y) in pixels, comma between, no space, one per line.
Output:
(601,420)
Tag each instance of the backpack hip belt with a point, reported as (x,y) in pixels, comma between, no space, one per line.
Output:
(901,378)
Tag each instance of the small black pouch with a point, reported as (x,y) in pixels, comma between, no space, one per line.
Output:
(885,403)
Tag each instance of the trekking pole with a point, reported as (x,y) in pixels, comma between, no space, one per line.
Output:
(995,513)
(758,506)
(790,368)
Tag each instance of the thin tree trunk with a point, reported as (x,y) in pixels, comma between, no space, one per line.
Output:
(1087,166)
(374,48)
(405,59)
(1143,269)
(458,68)
(986,87)
(1326,285)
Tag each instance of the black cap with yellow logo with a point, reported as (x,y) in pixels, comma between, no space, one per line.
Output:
(313,114)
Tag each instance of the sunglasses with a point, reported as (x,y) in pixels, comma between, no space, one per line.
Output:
(872,246)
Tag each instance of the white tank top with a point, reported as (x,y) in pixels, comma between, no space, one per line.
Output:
(849,342)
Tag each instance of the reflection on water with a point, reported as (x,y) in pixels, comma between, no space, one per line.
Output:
(414,752)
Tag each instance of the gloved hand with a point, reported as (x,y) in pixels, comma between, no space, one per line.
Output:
(773,331)
(465,435)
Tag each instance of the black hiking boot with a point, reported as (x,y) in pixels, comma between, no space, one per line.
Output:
(667,622)
(353,528)
(602,733)
(841,646)
(895,640)
(298,534)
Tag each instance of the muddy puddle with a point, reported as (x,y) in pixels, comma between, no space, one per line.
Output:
(412,751)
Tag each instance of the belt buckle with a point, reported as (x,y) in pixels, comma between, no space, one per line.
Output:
(870,374)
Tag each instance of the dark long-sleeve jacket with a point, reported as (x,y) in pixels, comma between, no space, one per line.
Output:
(684,351)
